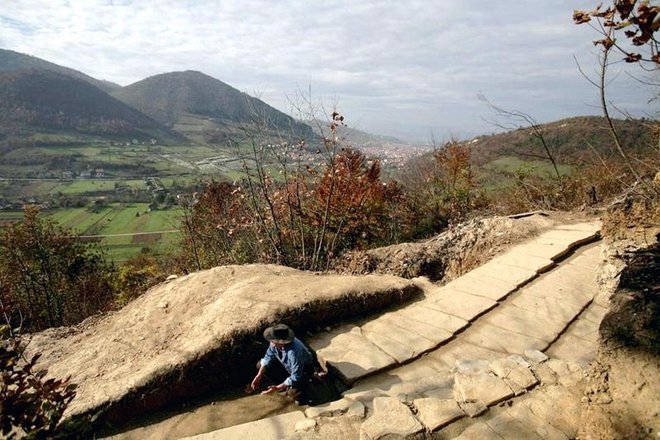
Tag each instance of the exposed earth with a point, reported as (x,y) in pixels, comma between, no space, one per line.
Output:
(199,335)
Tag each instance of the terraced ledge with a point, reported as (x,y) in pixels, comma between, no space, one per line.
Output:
(398,337)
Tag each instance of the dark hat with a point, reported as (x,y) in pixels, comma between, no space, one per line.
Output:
(279,334)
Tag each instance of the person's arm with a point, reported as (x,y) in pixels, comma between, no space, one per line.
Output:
(268,357)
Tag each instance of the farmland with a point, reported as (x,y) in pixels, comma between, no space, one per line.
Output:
(122,229)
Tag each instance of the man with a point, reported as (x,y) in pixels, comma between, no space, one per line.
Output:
(287,362)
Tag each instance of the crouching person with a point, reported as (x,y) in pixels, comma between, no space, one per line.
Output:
(287,363)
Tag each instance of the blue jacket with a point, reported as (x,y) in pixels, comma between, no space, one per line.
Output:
(295,358)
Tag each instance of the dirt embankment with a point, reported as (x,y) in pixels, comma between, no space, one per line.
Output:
(621,400)
(198,334)
(456,251)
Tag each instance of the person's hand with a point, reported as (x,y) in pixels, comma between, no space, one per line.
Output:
(274,388)
(255,383)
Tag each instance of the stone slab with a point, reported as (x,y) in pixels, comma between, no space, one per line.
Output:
(329,409)
(436,413)
(429,330)
(473,408)
(508,427)
(584,329)
(436,318)
(557,407)
(498,339)
(478,431)
(350,353)
(535,356)
(390,418)
(571,348)
(530,262)
(566,237)
(480,285)
(515,373)
(460,349)
(399,344)
(588,258)
(484,387)
(573,283)
(594,313)
(524,322)
(516,276)
(272,428)
(541,250)
(543,429)
(589,227)
(565,311)
(461,304)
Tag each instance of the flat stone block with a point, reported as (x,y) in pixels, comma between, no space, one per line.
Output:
(459,350)
(594,313)
(429,330)
(591,227)
(305,425)
(517,276)
(557,407)
(274,428)
(481,285)
(567,237)
(483,387)
(588,258)
(571,348)
(530,262)
(556,309)
(390,418)
(535,356)
(436,413)
(571,283)
(400,344)
(472,366)
(546,375)
(461,304)
(525,322)
(541,250)
(350,353)
(516,375)
(498,339)
(478,431)
(436,318)
(524,415)
(474,408)
(584,329)
(329,409)
(508,427)
(357,409)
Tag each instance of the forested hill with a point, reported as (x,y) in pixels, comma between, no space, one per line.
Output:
(11,61)
(36,100)
(568,139)
(198,106)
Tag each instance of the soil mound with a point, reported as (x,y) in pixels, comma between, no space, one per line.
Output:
(197,334)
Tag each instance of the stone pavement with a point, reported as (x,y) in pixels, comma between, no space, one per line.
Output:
(467,361)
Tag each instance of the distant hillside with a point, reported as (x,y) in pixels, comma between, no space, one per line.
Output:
(202,107)
(12,61)
(353,136)
(569,139)
(42,100)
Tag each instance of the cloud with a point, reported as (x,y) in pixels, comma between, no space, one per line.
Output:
(413,66)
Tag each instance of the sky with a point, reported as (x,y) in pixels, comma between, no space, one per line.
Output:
(411,69)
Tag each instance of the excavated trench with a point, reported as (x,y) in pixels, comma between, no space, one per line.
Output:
(219,377)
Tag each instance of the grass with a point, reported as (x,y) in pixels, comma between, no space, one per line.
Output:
(115,220)
(511,164)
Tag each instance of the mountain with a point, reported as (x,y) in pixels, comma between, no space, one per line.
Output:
(33,101)
(203,108)
(569,139)
(12,61)
(353,136)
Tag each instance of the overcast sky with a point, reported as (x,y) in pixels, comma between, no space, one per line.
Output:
(406,68)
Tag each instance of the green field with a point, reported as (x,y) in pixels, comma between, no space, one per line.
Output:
(510,164)
(125,228)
